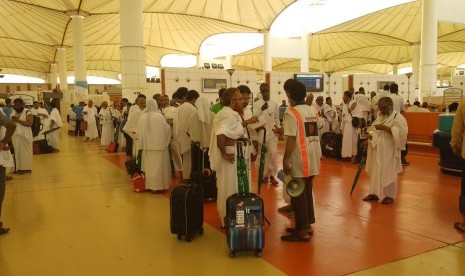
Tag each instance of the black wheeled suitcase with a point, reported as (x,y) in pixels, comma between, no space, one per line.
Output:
(206,179)
(186,211)
(338,146)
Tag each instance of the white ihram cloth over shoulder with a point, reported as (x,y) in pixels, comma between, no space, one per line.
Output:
(45,121)
(53,138)
(349,133)
(22,143)
(91,131)
(154,136)
(183,116)
(200,126)
(108,130)
(131,125)
(229,123)
(384,158)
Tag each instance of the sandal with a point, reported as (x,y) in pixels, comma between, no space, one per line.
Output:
(285,209)
(293,230)
(459,226)
(4,230)
(370,197)
(387,200)
(295,238)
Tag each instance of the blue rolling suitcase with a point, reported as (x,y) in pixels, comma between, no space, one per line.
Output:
(245,218)
(245,215)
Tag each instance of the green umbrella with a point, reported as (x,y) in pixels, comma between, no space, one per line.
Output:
(360,168)
(261,168)
(242,180)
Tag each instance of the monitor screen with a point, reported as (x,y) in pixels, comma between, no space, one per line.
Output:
(312,82)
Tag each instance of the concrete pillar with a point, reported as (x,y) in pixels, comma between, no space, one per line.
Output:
(305,60)
(53,75)
(199,61)
(267,65)
(429,49)
(395,69)
(416,65)
(228,64)
(80,77)
(61,53)
(132,49)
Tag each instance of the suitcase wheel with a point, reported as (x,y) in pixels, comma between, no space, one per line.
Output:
(201,231)
(188,238)
(258,253)
(232,254)
(179,236)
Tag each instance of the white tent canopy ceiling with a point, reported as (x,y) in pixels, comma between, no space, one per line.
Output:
(371,43)
(31,30)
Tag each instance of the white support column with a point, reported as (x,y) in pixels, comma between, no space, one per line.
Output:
(304,61)
(429,49)
(61,52)
(199,61)
(53,75)
(132,49)
(416,65)
(80,77)
(267,65)
(228,64)
(395,69)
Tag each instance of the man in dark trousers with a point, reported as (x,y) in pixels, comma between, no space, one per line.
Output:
(301,159)
(457,143)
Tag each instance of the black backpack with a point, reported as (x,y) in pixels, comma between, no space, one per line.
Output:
(36,125)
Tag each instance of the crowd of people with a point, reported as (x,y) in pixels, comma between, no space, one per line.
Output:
(161,131)
(19,134)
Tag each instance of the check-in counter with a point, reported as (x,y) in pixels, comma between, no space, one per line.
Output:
(421,126)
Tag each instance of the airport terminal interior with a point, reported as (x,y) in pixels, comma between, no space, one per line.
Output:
(77,212)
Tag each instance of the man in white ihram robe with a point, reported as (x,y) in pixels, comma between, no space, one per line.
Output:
(349,133)
(22,137)
(135,112)
(108,130)
(89,112)
(181,140)
(42,114)
(227,127)
(53,138)
(388,136)
(200,126)
(170,112)
(154,135)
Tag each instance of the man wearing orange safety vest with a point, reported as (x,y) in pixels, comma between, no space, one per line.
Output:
(301,159)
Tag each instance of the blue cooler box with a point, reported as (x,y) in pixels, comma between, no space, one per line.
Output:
(445,122)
